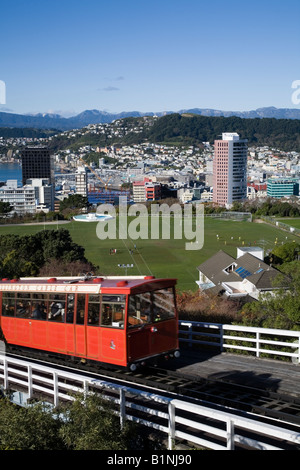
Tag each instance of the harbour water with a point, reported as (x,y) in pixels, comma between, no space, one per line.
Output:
(10,171)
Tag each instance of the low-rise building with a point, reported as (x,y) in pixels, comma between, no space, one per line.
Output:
(146,190)
(26,199)
(246,275)
(255,190)
(22,199)
(44,192)
(153,191)
(282,187)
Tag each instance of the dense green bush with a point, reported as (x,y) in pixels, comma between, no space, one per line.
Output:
(87,423)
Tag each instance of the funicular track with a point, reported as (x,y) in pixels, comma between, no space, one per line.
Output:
(229,395)
(266,405)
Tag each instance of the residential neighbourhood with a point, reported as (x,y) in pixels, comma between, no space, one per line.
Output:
(175,171)
(147,172)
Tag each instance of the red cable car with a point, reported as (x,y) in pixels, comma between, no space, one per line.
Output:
(115,321)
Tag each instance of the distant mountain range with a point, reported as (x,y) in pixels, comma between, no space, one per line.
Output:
(55,121)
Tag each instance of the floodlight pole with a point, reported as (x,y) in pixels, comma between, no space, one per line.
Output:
(125,266)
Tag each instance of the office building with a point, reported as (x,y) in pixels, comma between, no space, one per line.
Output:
(44,193)
(153,191)
(282,187)
(37,163)
(146,190)
(139,193)
(81,181)
(230,169)
(26,199)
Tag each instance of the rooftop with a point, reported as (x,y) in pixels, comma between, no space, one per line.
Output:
(223,268)
(88,285)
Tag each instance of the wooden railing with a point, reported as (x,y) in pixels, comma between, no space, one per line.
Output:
(200,426)
(261,342)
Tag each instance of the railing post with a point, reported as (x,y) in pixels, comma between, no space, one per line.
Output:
(122,407)
(190,335)
(171,434)
(85,389)
(230,434)
(5,372)
(257,343)
(55,388)
(296,360)
(221,330)
(29,381)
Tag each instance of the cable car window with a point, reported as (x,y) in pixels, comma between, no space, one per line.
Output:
(139,309)
(57,305)
(94,310)
(80,309)
(38,307)
(8,304)
(70,308)
(163,304)
(23,306)
(151,307)
(113,311)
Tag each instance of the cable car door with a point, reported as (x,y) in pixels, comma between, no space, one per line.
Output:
(80,329)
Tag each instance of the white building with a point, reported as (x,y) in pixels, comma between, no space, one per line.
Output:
(185,195)
(139,193)
(21,199)
(81,181)
(25,199)
(44,193)
(245,276)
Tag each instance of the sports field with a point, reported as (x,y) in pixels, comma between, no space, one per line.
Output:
(293,222)
(162,257)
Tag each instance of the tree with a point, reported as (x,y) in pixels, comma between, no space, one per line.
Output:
(282,308)
(86,423)
(74,201)
(5,208)
(285,253)
(58,244)
(91,424)
(56,267)
(26,255)
(15,265)
(29,428)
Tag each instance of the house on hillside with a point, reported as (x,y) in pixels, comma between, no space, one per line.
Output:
(246,275)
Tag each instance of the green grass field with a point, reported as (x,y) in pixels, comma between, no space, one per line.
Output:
(293,222)
(164,258)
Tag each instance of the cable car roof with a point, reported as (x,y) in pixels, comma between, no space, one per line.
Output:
(91,284)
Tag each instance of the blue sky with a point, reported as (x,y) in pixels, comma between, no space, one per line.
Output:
(158,55)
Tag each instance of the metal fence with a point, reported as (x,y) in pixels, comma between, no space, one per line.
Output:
(198,426)
(281,225)
(260,342)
